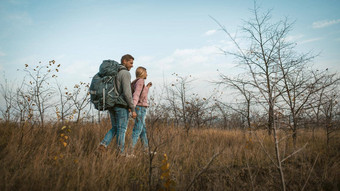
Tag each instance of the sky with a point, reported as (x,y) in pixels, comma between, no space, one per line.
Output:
(166,37)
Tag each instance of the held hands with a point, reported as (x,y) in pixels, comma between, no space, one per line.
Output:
(133,114)
(149,84)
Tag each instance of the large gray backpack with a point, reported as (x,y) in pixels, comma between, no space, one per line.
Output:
(103,91)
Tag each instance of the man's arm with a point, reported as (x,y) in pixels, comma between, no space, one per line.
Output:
(126,85)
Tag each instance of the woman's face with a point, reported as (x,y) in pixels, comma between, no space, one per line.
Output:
(146,74)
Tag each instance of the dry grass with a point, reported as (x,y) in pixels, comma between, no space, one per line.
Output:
(36,159)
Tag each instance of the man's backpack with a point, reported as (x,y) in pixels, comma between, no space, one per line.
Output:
(103,91)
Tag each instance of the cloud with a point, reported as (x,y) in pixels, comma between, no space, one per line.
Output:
(299,39)
(325,23)
(294,38)
(81,70)
(21,18)
(191,61)
(200,63)
(15,2)
(310,40)
(145,59)
(210,32)
(2,54)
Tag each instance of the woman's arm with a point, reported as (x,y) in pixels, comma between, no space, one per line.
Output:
(138,90)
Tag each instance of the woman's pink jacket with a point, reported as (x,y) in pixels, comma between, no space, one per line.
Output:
(140,95)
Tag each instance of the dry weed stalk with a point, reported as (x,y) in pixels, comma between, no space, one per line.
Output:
(168,183)
(204,169)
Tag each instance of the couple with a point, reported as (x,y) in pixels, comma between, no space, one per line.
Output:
(135,95)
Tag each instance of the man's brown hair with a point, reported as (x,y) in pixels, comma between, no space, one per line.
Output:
(126,57)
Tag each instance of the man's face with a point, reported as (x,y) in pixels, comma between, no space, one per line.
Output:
(128,64)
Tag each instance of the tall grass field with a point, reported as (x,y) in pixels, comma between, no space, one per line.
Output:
(65,157)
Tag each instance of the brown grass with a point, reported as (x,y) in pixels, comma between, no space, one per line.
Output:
(36,159)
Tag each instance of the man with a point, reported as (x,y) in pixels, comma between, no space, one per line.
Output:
(120,113)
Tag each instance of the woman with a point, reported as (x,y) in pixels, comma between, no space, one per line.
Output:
(140,98)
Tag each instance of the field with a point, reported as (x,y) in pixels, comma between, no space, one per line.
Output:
(65,157)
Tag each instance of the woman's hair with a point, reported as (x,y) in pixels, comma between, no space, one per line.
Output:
(140,72)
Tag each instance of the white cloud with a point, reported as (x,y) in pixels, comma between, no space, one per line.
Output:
(191,59)
(310,40)
(2,53)
(144,59)
(21,18)
(210,32)
(294,38)
(80,70)
(300,39)
(16,2)
(325,23)
(195,61)
(201,63)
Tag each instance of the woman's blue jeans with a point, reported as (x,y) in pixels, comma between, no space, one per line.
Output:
(119,121)
(139,129)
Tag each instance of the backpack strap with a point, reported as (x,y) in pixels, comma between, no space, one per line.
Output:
(133,84)
(121,68)
(115,78)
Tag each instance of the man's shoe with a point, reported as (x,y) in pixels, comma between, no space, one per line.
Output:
(130,156)
(102,148)
(151,152)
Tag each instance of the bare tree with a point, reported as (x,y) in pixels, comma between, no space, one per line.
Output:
(244,89)
(260,58)
(80,98)
(328,109)
(200,111)
(177,97)
(8,97)
(172,105)
(299,87)
(223,113)
(38,87)
(270,61)
(24,104)
(157,107)
(64,108)
(323,104)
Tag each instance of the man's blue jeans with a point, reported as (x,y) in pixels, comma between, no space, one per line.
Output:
(119,121)
(139,129)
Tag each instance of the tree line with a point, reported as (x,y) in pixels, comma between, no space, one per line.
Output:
(277,85)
